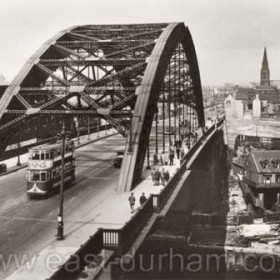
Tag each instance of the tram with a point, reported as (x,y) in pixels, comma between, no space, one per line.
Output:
(44,167)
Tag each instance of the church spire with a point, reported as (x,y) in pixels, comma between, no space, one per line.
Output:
(265,74)
(265,62)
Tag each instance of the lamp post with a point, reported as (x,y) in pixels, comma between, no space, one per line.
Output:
(164,99)
(98,121)
(18,159)
(88,128)
(156,130)
(148,155)
(60,224)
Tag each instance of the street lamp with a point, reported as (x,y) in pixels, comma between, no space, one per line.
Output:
(164,99)
(60,224)
(18,158)
(88,122)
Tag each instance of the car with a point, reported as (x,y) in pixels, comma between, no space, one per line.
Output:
(168,131)
(118,159)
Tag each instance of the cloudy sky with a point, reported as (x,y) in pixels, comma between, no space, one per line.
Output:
(229,35)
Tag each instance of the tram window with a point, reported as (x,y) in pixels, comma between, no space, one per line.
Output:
(35,176)
(48,155)
(43,176)
(35,155)
(42,155)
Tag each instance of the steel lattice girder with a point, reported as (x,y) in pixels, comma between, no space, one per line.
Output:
(148,96)
(116,68)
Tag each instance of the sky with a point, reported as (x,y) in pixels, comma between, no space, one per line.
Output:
(229,35)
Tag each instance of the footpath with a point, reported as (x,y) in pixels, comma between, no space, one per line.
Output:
(112,212)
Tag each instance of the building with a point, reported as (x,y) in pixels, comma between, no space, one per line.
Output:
(259,102)
(261,175)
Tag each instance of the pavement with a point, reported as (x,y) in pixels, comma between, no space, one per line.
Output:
(113,211)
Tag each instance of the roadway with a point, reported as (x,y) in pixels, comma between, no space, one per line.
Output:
(28,225)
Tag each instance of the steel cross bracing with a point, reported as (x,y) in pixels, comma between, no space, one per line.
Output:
(123,74)
(79,58)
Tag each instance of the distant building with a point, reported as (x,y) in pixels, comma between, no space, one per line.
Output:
(261,174)
(261,101)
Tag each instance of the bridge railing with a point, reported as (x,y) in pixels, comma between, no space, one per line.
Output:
(76,263)
(161,198)
(123,238)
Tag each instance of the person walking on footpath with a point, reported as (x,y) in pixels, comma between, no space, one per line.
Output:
(162,177)
(153,174)
(162,158)
(166,176)
(157,177)
(142,199)
(155,159)
(171,157)
(182,152)
(166,158)
(131,200)
(178,149)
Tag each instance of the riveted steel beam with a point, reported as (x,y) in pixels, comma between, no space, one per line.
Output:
(112,113)
(84,37)
(50,73)
(90,62)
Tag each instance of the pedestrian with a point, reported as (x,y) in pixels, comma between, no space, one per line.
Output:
(166,175)
(162,176)
(170,143)
(157,177)
(166,156)
(171,157)
(182,152)
(182,135)
(131,200)
(142,199)
(155,159)
(195,136)
(153,174)
(162,158)
(178,149)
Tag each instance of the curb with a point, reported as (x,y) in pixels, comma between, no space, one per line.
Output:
(24,165)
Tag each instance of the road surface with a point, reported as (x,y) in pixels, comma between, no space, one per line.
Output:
(28,224)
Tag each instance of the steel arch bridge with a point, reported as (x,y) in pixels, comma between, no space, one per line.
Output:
(123,74)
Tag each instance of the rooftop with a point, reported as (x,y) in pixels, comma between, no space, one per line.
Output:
(269,93)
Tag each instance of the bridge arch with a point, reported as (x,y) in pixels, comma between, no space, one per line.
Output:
(148,95)
(113,72)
